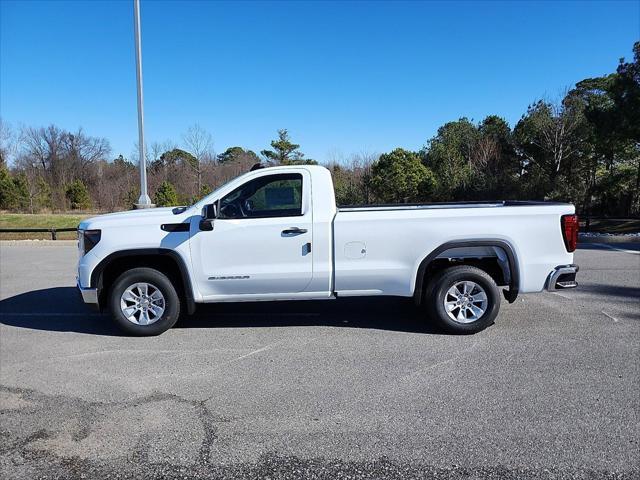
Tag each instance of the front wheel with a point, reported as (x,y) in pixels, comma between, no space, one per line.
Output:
(463,299)
(144,302)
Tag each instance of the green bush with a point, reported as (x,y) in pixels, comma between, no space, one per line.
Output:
(400,176)
(77,195)
(14,193)
(166,195)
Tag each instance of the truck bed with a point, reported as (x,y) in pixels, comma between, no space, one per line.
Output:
(379,247)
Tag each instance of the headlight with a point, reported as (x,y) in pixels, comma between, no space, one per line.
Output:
(88,239)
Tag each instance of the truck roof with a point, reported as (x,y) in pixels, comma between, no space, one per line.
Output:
(284,167)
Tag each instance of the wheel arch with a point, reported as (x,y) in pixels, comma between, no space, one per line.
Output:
(163,259)
(512,262)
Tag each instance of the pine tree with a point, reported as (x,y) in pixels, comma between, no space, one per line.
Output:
(14,192)
(77,195)
(166,195)
(285,152)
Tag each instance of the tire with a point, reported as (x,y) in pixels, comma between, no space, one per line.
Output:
(445,287)
(152,313)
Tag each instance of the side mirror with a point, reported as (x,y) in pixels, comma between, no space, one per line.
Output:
(209,214)
(211,211)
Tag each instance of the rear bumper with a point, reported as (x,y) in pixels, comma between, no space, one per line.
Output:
(89,295)
(563,277)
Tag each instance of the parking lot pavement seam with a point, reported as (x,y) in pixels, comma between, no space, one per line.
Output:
(458,357)
(254,352)
(562,296)
(615,320)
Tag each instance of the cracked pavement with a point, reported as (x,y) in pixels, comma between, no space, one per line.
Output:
(347,389)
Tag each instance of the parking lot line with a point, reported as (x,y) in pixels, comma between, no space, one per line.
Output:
(617,249)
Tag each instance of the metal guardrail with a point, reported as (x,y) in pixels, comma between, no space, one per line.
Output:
(52,231)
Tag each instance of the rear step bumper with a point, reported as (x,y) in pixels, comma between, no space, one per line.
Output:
(564,276)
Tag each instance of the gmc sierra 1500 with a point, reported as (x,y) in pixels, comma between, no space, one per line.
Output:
(276,234)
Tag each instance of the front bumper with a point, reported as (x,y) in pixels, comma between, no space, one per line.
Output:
(89,295)
(562,277)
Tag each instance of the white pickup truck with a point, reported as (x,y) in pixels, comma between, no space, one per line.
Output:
(276,234)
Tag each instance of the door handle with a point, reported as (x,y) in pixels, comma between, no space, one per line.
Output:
(293,231)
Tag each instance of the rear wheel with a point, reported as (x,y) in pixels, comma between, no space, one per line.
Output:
(463,299)
(144,302)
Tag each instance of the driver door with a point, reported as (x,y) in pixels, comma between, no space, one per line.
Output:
(261,240)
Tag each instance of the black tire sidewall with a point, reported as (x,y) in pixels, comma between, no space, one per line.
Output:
(445,280)
(162,282)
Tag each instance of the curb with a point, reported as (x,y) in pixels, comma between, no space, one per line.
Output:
(38,243)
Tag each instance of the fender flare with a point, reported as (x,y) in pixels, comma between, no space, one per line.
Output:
(96,274)
(514,284)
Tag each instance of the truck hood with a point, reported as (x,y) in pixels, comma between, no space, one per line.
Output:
(153,216)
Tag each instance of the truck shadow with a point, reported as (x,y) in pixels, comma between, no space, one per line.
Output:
(60,309)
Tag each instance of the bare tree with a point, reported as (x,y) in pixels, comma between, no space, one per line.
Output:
(118,183)
(40,155)
(82,150)
(58,157)
(7,142)
(42,146)
(158,148)
(553,128)
(199,143)
(485,153)
(558,134)
(351,177)
(361,164)
(38,189)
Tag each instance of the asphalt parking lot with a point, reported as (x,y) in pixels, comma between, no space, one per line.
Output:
(344,389)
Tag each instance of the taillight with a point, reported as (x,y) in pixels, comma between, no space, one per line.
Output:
(569,225)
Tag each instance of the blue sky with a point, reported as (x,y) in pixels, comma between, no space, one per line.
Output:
(343,77)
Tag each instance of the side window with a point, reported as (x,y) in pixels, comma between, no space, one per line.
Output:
(268,196)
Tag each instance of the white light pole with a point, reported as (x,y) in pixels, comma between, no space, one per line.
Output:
(144,201)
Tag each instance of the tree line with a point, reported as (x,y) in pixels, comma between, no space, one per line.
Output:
(583,148)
